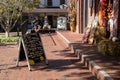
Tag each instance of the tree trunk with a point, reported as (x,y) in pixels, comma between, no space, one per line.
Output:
(6,34)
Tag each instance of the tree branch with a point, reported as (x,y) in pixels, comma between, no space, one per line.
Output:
(3,3)
(24,22)
(2,25)
(14,24)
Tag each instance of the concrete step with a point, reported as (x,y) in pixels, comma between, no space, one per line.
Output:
(93,67)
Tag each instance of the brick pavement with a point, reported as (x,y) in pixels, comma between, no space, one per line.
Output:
(63,64)
(111,65)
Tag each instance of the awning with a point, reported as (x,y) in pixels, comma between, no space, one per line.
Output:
(48,11)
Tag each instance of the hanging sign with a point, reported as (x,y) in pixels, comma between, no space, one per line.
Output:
(62,23)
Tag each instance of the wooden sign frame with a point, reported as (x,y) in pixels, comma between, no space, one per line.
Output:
(23,44)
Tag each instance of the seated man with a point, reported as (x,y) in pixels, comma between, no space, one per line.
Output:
(46,24)
(29,26)
(36,24)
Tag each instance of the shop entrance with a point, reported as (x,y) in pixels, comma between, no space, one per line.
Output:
(50,19)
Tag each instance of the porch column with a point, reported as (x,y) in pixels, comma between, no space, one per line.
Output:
(78,16)
(81,15)
(116,10)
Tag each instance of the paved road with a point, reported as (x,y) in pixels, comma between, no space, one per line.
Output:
(63,65)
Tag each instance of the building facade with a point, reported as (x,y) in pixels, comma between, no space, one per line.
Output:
(87,9)
(51,8)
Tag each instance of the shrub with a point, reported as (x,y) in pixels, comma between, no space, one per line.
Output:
(3,39)
(107,47)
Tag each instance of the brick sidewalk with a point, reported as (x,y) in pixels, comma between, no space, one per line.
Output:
(63,64)
(111,65)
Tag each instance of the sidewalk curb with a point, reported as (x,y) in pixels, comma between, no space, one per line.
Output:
(93,67)
(62,37)
(10,43)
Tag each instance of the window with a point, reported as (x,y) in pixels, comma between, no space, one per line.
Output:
(62,2)
(110,1)
(49,3)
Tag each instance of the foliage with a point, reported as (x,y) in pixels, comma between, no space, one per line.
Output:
(110,48)
(11,11)
(3,39)
(104,12)
(72,15)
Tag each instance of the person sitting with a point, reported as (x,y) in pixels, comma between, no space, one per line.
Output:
(46,23)
(37,25)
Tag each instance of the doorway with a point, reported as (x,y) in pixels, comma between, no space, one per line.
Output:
(50,19)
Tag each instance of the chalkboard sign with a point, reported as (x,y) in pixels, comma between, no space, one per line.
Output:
(33,49)
(21,51)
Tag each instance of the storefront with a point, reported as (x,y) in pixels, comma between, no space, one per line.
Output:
(52,13)
(87,9)
(111,7)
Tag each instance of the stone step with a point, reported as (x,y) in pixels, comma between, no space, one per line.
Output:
(92,66)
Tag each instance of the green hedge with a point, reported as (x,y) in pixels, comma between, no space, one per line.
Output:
(3,39)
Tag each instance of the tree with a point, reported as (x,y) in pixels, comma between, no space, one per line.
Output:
(11,11)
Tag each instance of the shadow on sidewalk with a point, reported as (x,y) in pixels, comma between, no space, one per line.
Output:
(108,63)
(59,65)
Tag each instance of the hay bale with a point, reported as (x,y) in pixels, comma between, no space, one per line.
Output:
(107,47)
(102,47)
(100,34)
(92,35)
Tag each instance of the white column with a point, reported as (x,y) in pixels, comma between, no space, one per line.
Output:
(78,17)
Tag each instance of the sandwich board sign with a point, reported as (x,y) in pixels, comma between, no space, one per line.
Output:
(31,49)
(62,23)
